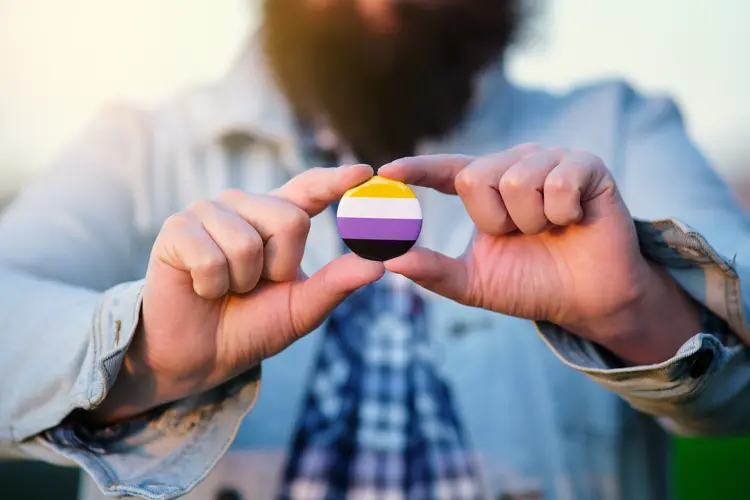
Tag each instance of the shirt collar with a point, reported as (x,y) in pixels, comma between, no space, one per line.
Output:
(247,102)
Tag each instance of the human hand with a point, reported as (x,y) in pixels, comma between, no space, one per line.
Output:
(224,290)
(554,242)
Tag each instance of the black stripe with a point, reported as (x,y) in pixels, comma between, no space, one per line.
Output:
(380,250)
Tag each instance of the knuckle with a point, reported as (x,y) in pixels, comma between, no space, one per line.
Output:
(577,168)
(211,264)
(559,151)
(210,288)
(559,184)
(572,215)
(512,181)
(458,160)
(201,206)
(298,222)
(246,247)
(230,195)
(285,275)
(564,216)
(529,147)
(176,222)
(495,227)
(609,184)
(467,180)
(585,161)
(537,226)
(595,161)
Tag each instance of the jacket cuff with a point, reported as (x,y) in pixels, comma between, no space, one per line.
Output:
(115,323)
(162,454)
(111,330)
(705,388)
(708,277)
(165,453)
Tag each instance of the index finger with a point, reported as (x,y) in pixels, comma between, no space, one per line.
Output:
(315,189)
(432,171)
(439,171)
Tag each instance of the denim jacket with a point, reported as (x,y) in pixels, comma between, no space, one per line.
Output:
(549,415)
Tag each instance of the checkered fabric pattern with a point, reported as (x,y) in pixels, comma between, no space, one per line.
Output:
(377,421)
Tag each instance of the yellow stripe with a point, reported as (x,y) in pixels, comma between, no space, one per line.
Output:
(380,187)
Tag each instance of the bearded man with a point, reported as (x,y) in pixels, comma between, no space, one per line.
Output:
(579,277)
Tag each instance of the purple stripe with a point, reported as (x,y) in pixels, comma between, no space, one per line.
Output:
(379,229)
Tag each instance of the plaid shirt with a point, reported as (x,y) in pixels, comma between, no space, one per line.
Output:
(377,421)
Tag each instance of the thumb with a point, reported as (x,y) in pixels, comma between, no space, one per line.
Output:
(313,299)
(434,271)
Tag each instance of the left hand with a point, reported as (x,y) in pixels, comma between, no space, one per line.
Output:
(554,242)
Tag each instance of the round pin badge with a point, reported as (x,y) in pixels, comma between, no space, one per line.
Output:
(379,219)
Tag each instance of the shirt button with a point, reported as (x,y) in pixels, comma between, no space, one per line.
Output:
(701,363)
(526,495)
(228,494)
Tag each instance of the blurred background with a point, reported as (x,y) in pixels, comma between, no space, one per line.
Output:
(61,60)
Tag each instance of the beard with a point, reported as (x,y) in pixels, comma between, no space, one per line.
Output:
(384,91)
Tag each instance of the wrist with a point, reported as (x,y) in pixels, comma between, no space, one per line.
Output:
(129,395)
(141,385)
(650,328)
(137,389)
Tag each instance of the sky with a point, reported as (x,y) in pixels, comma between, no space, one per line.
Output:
(62,60)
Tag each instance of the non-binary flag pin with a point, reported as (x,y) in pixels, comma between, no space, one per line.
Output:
(379,219)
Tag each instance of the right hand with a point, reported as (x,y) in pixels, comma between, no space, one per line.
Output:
(224,290)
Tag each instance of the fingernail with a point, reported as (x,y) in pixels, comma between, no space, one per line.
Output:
(347,167)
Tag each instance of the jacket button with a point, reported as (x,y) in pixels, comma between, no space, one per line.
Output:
(701,363)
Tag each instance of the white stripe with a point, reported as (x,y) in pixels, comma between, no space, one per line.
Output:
(380,208)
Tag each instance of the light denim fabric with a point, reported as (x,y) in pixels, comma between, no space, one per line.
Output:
(75,245)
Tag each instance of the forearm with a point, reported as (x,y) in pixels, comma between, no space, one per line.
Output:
(137,389)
